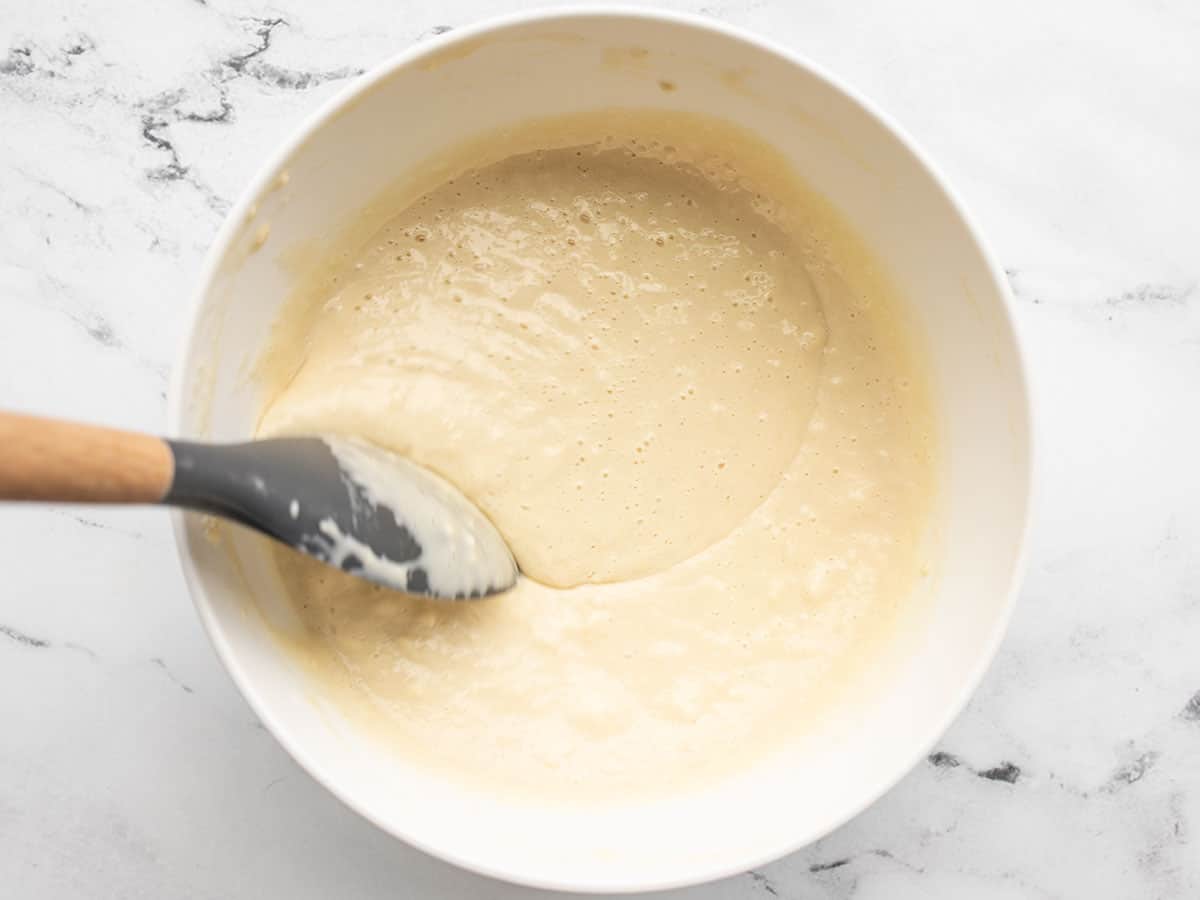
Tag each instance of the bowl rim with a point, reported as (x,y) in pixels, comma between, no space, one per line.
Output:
(259,183)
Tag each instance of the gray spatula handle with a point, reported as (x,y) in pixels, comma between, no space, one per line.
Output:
(66,462)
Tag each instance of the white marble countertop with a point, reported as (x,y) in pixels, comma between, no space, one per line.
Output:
(129,766)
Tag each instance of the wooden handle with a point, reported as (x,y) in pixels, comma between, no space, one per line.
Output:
(48,459)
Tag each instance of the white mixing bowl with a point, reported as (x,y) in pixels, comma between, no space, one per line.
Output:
(438,94)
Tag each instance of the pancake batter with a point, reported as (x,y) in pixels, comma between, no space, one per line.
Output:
(689,410)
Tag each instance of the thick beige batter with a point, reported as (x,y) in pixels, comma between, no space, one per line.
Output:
(691,412)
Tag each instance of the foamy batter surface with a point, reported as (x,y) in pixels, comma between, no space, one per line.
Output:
(691,414)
